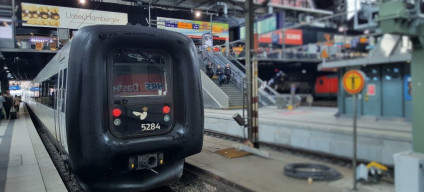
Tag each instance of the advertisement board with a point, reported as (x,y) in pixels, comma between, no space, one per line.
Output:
(64,17)
(292,37)
(261,25)
(194,29)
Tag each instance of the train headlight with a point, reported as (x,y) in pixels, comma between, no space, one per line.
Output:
(116,112)
(166,118)
(166,109)
(117,122)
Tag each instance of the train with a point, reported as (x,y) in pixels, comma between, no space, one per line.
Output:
(326,86)
(118,104)
(323,87)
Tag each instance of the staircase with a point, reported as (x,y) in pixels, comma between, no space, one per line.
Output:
(236,96)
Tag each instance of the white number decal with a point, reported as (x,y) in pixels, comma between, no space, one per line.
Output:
(150,127)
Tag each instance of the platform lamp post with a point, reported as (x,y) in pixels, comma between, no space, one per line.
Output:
(406,18)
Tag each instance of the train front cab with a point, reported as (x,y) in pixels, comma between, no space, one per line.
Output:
(135,109)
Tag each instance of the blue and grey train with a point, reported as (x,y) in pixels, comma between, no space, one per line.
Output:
(123,104)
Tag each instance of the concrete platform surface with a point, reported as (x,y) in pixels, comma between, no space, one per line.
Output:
(261,174)
(317,129)
(25,164)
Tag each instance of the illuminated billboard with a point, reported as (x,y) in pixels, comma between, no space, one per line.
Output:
(194,29)
(64,17)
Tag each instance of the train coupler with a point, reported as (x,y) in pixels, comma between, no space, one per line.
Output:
(146,161)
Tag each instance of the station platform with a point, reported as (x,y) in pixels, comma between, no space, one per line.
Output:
(318,129)
(256,173)
(25,164)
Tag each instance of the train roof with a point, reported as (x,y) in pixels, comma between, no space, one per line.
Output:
(88,33)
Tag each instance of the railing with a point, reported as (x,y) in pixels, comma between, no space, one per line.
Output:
(214,92)
(237,75)
(336,50)
(267,94)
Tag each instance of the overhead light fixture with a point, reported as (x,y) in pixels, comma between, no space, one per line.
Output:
(197,13)
(5,67)
(82,1)
(367,31)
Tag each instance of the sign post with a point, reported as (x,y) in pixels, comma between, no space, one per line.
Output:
(353,83)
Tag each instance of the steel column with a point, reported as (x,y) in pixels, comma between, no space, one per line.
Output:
(248,9)
(417,70)
(13,24)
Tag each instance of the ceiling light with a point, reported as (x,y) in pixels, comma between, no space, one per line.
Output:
(197,13)
(5,67)
(82,1)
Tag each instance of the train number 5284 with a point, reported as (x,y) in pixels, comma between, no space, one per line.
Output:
(149,126)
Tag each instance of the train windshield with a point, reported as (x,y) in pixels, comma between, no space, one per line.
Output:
(138,73)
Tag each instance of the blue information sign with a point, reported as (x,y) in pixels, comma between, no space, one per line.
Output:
(14,87)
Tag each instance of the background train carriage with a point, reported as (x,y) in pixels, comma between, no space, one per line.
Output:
(118,102)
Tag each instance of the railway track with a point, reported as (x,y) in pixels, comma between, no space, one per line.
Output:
(314,155)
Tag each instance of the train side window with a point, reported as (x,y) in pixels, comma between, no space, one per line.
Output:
(35,90)
(49,91)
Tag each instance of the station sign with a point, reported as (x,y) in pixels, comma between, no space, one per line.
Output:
(38,15)
(353,81)
(371,90)
(14,87)
(291,37)
(194,29)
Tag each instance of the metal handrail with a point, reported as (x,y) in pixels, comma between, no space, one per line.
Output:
(219,96)
(261,82)
(236,77)
(239,75)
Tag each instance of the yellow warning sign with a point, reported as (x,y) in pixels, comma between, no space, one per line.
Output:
(353,81)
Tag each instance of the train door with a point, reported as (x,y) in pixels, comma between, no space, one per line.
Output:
(57,108)
(61,110)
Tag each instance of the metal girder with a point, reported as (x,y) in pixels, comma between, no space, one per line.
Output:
(178,3)
(202,3)
(236,3)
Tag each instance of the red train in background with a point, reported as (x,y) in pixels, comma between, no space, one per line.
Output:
(326,86)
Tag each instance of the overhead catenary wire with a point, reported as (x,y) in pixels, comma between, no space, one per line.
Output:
(89,14)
